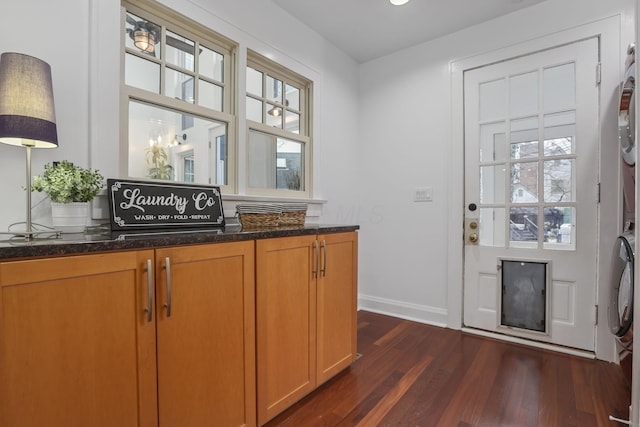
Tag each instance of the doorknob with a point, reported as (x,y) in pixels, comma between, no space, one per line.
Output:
(473,237)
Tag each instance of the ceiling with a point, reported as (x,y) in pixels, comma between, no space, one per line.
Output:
(368,29)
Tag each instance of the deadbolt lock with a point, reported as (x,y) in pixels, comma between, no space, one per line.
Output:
(473,225)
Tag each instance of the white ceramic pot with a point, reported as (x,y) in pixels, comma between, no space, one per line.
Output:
(69,217)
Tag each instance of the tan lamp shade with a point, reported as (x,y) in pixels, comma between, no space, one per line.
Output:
(27,114)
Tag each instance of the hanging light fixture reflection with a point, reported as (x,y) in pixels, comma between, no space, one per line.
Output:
(144,40)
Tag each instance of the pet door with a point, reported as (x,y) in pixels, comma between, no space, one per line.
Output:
(524,303)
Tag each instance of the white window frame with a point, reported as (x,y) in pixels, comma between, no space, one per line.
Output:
(179,24)
(275,70)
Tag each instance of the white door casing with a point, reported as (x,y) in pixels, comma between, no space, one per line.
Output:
(534,118)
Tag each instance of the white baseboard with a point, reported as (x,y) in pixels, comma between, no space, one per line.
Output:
(414,312)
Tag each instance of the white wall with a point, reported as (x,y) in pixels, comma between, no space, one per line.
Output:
(411,253)
(58,35)
(80,39)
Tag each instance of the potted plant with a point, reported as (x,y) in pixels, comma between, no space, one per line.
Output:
(70,189)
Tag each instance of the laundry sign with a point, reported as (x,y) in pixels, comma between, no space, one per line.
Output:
(135,205)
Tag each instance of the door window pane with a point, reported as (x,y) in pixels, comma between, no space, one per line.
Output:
(559,228)
(523,94)
(524,138)
(492,227)
(524,182)
(523,224)
(492,184)
(559,87)
(559,131)
(493,100)
(493,142)
(558,180)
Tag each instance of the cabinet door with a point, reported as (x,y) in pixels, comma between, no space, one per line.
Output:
(286,327)
(337,305)
(76,348)
(206,344)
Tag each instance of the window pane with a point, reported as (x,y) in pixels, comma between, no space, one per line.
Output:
(559,131)
(159,137)
(492,182)
(210,95)
(275,162)
(523,94)
(559,228)
(254,82)
(559,87)
(179,86)
(142,73)
(492,227)
(211,64)
(180,51)
(254,109)
(558,181)
(274,90)
(492,142)
(274,116)
(524,138)
(523,224)
(293,97)
(143,35)
(493,100)
(292,122)
(524,182)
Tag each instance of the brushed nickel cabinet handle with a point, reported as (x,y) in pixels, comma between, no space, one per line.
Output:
(167,266)
(317,263)
(324,258)
(149,309)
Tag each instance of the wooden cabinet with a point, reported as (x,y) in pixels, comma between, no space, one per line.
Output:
(74,347)
(305,315)
(79,346)
(337,302)
(206,335)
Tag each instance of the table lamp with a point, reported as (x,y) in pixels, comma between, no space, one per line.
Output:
(27,116)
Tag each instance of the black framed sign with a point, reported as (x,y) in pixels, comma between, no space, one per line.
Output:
(136,205)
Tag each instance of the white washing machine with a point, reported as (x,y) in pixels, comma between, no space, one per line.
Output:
(626,133)
(622,282)
(621,306)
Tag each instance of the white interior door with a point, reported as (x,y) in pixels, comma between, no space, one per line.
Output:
(531,195)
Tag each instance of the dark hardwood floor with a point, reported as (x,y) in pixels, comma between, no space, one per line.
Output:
(412,374)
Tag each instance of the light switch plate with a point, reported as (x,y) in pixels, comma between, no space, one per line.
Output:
(423,194)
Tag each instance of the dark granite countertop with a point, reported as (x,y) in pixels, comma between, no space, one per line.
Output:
(104,240)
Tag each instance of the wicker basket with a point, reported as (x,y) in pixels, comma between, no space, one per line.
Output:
(293,218)
(259,215)
(259,220)
(262,215)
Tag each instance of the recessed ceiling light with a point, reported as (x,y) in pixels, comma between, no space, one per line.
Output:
(399,2)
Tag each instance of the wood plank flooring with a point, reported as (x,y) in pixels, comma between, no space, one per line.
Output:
(412,374)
